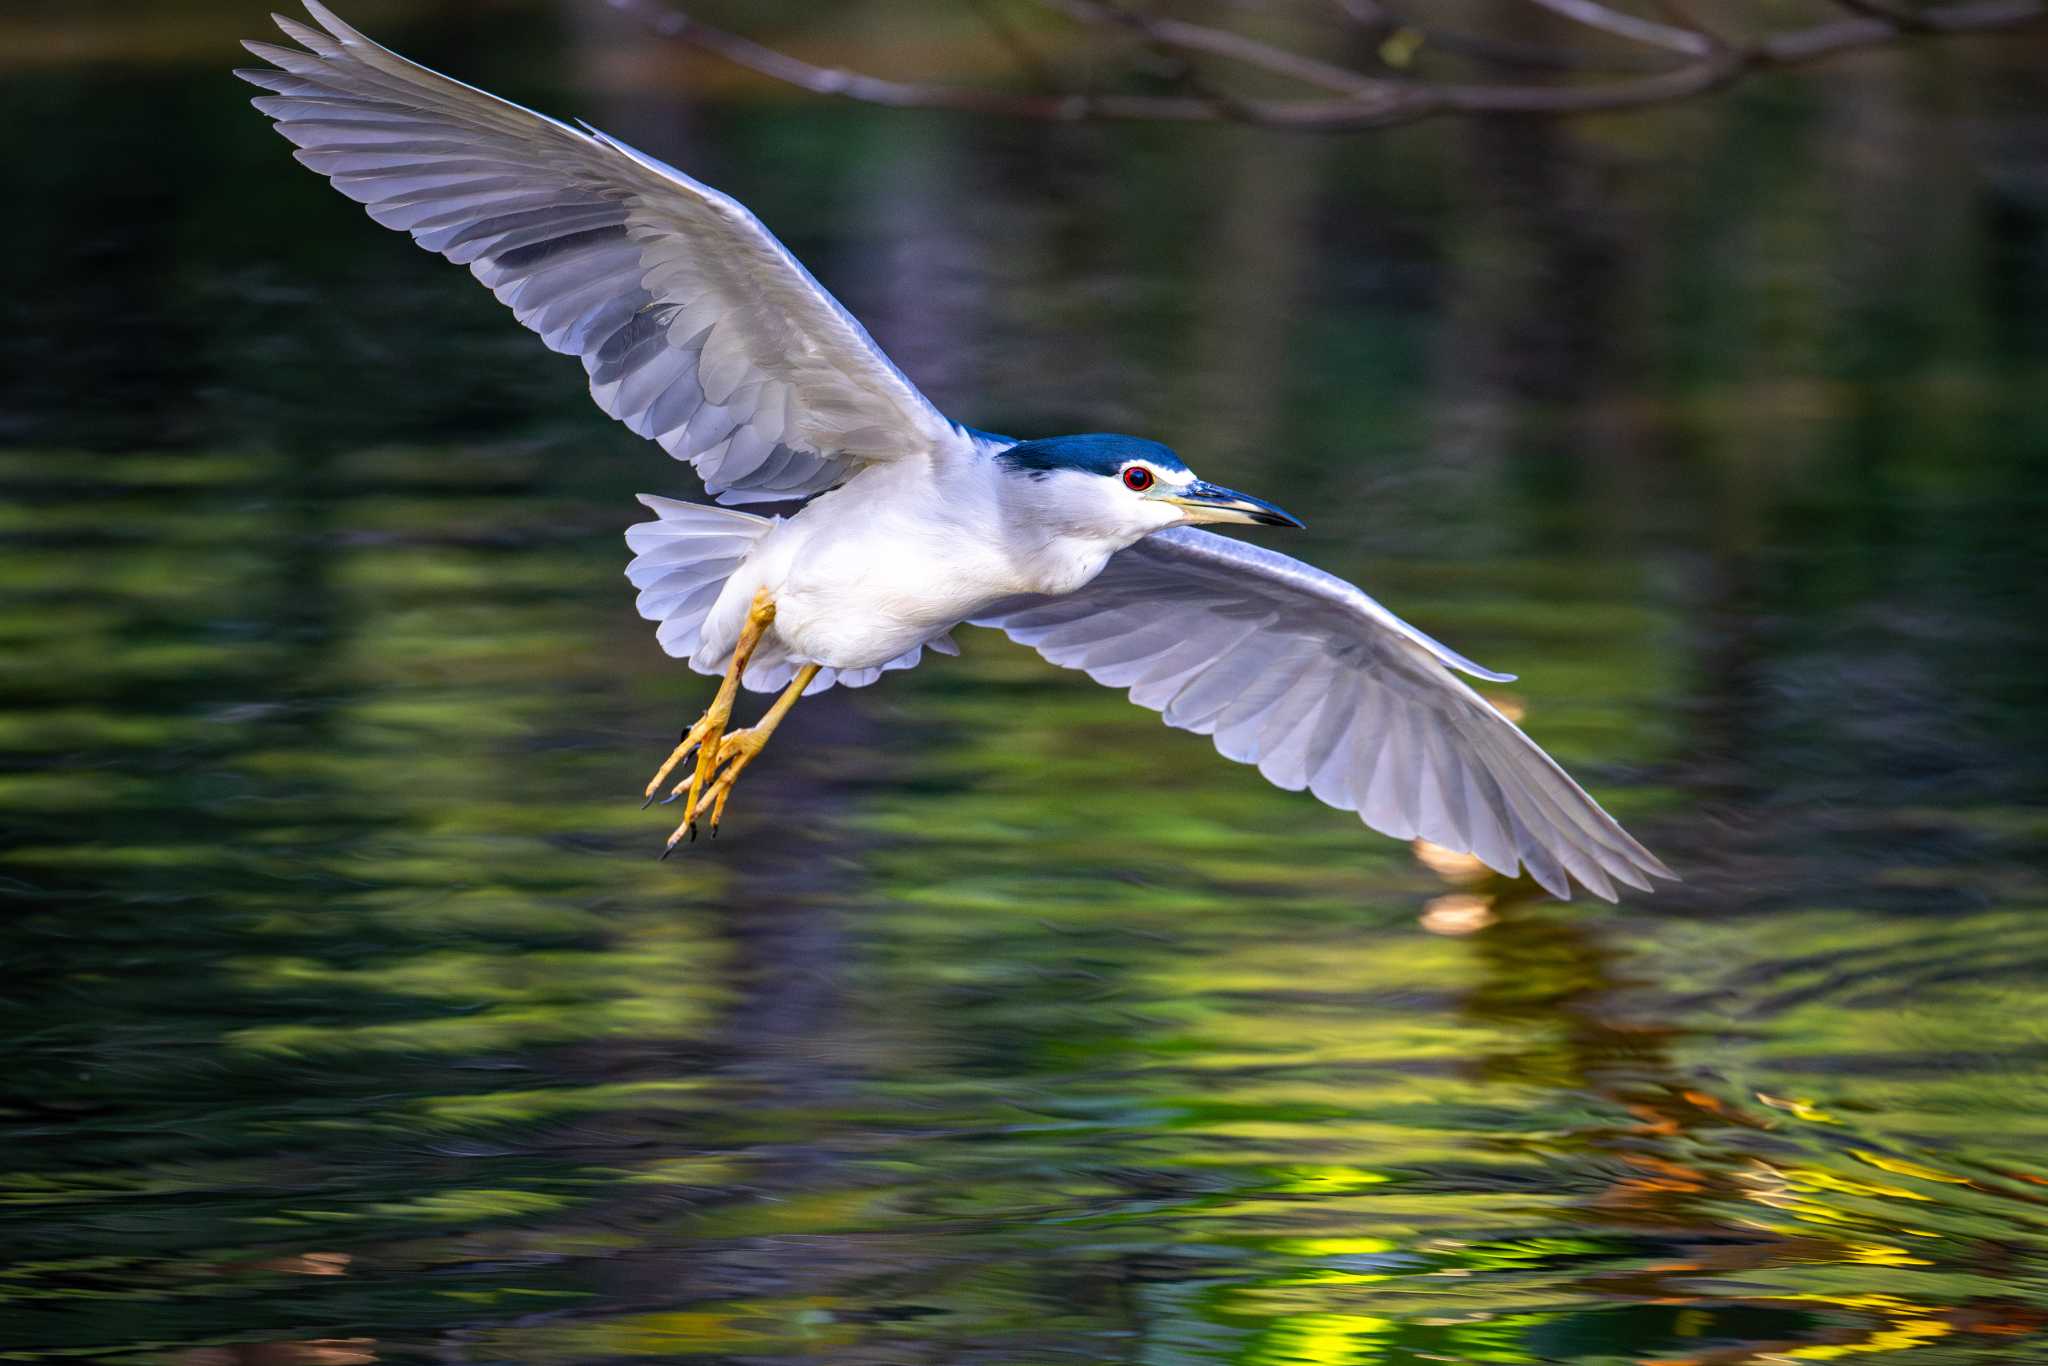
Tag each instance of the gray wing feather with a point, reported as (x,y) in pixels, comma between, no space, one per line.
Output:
(698,329)
(1305,676)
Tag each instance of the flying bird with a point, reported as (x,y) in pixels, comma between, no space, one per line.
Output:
(701,332)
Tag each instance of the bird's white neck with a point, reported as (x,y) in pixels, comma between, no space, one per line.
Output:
(1057,530)
(1063,564)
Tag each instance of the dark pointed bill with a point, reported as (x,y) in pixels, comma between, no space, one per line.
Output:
(1207,502)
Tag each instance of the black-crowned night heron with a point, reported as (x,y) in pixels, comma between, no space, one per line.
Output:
(701,332)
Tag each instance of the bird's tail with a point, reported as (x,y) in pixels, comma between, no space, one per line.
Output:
(681,563)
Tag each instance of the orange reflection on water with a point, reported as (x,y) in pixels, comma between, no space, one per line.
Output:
(1460,913)
(308,1264)
(1453,866)
(312,1352)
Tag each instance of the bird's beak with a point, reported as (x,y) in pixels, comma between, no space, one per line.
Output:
(1207,502)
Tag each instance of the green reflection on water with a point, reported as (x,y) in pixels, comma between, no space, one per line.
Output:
(350,1017)
(355,1011)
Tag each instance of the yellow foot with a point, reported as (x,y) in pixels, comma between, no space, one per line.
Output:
(707,765)
(722,757)
(722,747)
(735,752)
(708,735)
(692,738)
(710,741)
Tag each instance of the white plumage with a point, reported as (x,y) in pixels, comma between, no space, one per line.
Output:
(701,332)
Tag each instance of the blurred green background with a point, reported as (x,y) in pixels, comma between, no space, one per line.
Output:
(348,1017)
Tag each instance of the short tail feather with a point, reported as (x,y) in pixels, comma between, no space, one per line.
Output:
(681,563)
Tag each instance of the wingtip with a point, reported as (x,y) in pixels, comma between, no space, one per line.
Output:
(604,139)
(1447,655)
(329,20)
(1641,861)
(314,41)
(1564,885)
(1641,871)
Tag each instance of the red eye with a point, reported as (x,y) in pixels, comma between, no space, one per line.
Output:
(1137,479)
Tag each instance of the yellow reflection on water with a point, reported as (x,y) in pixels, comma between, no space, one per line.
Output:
(1813,1178)
(1331,1247)
(808,1322)
(1899,1166)
(1321,1339)
(1908,1325)
(1801,1109)
(1329,1179)
(1329,1276)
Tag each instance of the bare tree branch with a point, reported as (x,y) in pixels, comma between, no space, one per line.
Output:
(1355,100)
(1174,33)
(853,85)
(1907,20)
(1593,15)
(1374,18)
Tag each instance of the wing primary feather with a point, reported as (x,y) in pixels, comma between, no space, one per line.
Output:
(1298,672)
(1332,781)
(513,193)
(1433,814)
(1283,743)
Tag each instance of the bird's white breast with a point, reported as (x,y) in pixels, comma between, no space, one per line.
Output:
(897,556)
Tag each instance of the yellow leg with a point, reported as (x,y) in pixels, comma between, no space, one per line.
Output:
(738,749)
(708,734)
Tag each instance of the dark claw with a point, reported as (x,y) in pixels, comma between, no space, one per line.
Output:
(649,802)
(669,800)
(693,832)
(666,851)
(714,832)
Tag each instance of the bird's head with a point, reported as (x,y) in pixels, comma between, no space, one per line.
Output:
(1119,488)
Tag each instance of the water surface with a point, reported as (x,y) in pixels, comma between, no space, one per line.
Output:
(349,1017)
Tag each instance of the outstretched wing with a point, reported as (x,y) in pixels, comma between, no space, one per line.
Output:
(1302,674)
(698,329)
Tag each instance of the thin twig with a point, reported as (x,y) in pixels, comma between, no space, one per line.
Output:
(1373,17)
(853,85)
(1908,20)
(1594,15)
(1184,72)
(1217,42)
(1967,16)
(1685,17)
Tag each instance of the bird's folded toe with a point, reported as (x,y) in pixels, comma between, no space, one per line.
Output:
(691,739)
(735,752)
